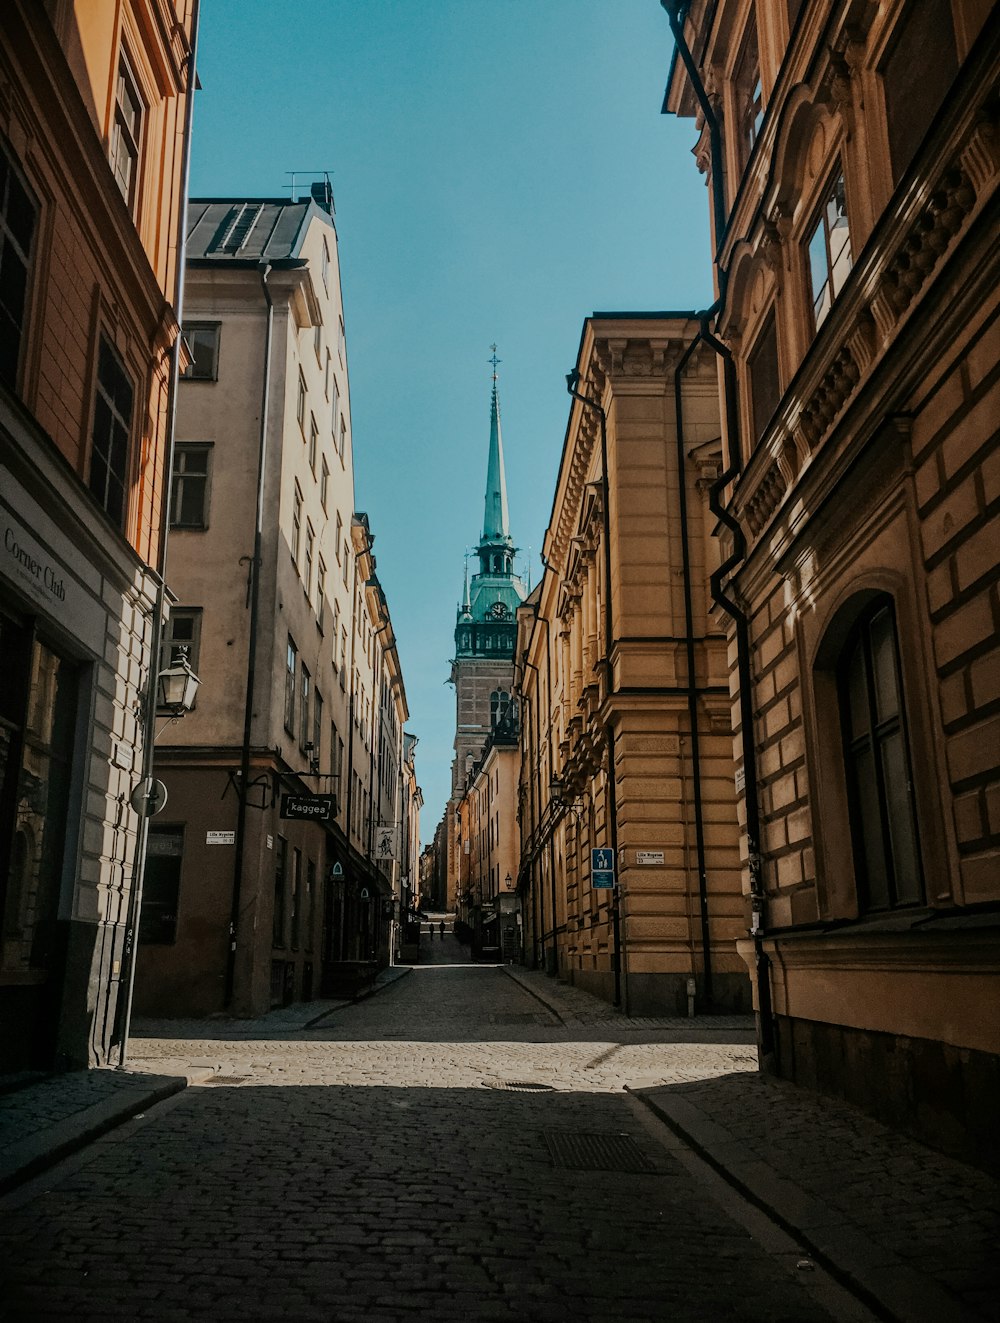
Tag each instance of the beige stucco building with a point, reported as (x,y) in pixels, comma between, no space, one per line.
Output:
(94,126)
(250,900)
(623,679)
(852,155)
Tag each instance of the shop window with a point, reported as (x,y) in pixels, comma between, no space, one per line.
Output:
(879,779)
(921,66)
(189,486)
(17,230)
(109,454)
(280,884)
(126,134)
(161,886)
(829,251)
(765,382)
(202,340)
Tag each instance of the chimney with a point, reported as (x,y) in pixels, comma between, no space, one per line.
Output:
(322,194)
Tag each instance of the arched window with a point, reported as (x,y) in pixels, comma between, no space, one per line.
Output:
(499,699)
(877,761)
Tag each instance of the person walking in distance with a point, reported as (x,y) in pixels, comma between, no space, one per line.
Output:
(442,928)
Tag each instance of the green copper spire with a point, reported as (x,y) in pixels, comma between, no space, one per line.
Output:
(496,520)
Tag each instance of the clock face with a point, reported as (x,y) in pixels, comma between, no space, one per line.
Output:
(498,611)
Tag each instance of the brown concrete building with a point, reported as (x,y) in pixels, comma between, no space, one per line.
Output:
(94,121)
(250,901)
(852,153)
(623,678)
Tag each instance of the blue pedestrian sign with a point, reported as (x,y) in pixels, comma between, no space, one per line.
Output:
(602,869)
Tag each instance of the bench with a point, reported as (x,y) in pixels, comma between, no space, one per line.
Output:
(347,978)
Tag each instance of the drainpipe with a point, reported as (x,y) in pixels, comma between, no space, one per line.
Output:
(131,943)
(692,693)
(255,570)
(572,381)
(766,1042)
(535,814)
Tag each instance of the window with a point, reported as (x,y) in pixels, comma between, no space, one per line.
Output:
(305,728)
(342,342)
(300,403)
(920,68)
(748,93)
(189,486)
(313,443)
(310,902)
(203,342)
(336,626)
(291,661)
(765,383)
(347,555)
(307,566)
(318,342)
(126,134)
(324,484)
(278,914)
(317,731)
(112,427)
(326,266)
(321,594)
(340,532)
(181,630)
(296,525)
(342,446)
(17,231)
(335,408)
(161,886)
(296,883)
(327,373)
(883,822)
(829,250)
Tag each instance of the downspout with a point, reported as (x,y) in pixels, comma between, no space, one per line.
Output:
(552,845)
(131,942)
(692,694)
(255,570)
(538,922)
(350,723)
(766,1042)
(572,380)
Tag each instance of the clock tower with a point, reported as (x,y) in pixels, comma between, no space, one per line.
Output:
(483,667)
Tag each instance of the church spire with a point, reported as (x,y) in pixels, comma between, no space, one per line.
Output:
(496,520)
(465,611)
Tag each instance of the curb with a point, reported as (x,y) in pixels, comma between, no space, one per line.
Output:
(533,992)
(399,972)
(22,1161)
(883,1281)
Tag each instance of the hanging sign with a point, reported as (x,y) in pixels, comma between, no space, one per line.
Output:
(311,808)
(385,842)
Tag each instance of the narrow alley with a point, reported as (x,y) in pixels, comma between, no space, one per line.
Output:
(459,1146)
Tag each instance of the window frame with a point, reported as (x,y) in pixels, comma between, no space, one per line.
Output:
(168,641)
(193,329)
(106,393)
(818,224)
(178,479)
(757,425)
(296,543)
(11,243)
(291,669)
(123,132)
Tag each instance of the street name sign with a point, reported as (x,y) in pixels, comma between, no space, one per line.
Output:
(649,856)
(312,808)
(602,869)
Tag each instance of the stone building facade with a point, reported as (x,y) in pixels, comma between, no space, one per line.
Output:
(622,675)
(852,153)
(94,123)
(245,905)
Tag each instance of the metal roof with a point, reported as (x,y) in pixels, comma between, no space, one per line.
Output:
(248,229)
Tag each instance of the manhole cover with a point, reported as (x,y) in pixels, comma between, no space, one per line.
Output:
(519,1086)
(581,1152)
(227,1079)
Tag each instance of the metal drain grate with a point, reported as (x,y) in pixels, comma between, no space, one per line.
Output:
(580,1152)
(519,1086)
(228,1079)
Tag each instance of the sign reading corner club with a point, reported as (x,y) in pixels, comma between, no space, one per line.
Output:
(602,869)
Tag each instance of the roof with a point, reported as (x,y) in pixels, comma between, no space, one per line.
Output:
(249,229)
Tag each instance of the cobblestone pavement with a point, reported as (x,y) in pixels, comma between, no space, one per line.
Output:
(445,1150)
(478,1143)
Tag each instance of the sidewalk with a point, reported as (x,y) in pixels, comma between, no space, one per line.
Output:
(913,1232)
(53,1116)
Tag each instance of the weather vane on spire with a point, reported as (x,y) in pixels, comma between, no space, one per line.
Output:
(494,360)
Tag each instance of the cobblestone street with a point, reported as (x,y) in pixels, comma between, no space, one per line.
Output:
(451,1148)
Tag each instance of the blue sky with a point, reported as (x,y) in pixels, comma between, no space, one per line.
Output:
(501,169)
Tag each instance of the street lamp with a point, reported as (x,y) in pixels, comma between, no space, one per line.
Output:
(177,686)
(508,883)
